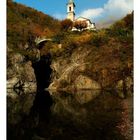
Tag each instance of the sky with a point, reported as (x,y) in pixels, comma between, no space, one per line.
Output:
(102,12)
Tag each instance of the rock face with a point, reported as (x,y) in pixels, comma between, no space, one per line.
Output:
(69,72)
(84,82)
(84,68)
(20,73)
(81,67)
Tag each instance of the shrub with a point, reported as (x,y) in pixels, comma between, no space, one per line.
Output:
(129,21)
(100,38)
(66,24)
(48,33)
(80,25)
(24,24)
(123,29)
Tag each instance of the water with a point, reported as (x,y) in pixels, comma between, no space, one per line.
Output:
(81,115)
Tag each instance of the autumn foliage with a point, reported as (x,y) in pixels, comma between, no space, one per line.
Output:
(66,24)
(24,24)
(80,25)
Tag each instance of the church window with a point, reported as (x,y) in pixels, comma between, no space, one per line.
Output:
(69,8)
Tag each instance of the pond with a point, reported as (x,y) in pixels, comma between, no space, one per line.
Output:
(75,115)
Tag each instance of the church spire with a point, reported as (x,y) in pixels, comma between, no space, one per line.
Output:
(70,10)
(71,1)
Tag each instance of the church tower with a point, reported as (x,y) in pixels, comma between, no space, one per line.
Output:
(70,10)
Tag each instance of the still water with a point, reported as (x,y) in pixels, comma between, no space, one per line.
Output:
(79,115)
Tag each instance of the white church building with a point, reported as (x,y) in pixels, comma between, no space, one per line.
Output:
(71,15)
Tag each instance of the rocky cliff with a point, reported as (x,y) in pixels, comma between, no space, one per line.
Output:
(89,67)
(20,73)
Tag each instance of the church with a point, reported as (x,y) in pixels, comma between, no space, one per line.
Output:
(71,15)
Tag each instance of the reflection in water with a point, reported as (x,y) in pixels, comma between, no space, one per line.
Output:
(41,108)
(23,123)
(83,115)
(18,108)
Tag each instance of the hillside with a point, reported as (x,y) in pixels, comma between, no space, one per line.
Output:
(105,56)
(101,59)
(25,23)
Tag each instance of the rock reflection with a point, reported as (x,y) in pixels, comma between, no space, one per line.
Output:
(18,109)
(73,103)
(85,96)
(28,114)
(82,115)
(88,115)
(124,95)
(18,105)
(41,109)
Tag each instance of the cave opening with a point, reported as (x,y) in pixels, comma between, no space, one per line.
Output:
(43,72)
